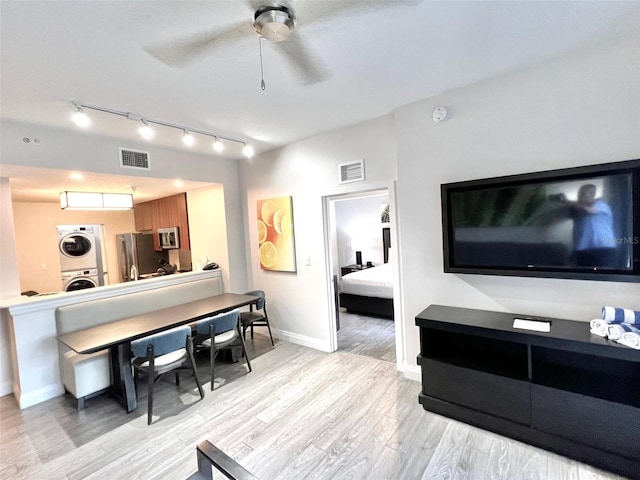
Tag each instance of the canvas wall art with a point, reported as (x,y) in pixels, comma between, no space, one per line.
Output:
(275,234)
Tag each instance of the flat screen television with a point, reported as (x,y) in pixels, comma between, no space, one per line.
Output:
(578,223)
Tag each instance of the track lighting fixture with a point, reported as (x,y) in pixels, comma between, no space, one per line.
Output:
(81,119)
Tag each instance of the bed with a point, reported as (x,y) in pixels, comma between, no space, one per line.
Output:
(369,291)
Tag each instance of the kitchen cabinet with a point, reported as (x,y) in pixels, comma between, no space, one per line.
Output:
(161,213)
(143,216)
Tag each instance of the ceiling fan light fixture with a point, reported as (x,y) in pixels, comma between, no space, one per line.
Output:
(274,23)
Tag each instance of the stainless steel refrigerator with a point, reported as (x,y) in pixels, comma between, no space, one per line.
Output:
(136,250)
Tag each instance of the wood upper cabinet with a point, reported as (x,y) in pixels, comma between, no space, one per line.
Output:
(164,212)
(143,216)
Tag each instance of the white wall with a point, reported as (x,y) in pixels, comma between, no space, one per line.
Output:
(9,284)
(577,110)
(308,170)
(359,218)
(208,229)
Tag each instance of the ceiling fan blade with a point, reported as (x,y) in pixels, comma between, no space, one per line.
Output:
(308,65)
(187,50)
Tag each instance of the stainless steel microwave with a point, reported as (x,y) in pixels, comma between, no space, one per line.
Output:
(169,238)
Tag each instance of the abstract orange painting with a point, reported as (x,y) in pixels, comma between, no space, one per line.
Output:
(275,234)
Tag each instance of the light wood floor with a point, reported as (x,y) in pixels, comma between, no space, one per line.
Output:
(369,336)
(301,414)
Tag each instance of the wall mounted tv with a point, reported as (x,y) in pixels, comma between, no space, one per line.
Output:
(579,223)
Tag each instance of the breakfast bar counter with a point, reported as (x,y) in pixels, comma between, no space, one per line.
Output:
(31,332)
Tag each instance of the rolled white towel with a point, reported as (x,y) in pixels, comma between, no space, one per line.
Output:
(599,327)
(621,315)
(617,330)
(631,339)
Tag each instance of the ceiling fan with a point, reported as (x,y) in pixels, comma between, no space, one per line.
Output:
(277,22)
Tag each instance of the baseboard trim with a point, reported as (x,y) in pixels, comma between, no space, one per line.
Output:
(412,372)
(303,340)
(37,396)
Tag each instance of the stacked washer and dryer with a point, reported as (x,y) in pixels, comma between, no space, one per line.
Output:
(82,256)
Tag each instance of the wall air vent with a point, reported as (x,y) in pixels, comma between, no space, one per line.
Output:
(351,172)
(134,159)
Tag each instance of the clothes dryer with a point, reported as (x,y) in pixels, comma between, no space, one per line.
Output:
(79,280)
(78,246)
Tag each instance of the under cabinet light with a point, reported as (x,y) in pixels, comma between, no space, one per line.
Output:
(95,201)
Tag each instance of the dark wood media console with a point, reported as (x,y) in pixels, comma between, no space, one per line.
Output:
(566,391)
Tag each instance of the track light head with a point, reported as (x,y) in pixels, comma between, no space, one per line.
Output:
(247,151)
(80,118)
(145,130)
(188,138)
(218,146)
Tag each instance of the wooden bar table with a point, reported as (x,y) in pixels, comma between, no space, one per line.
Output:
(117,336)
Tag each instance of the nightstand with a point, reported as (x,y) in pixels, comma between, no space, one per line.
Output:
(353,268)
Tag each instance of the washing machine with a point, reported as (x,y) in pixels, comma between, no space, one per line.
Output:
(80,279)
(78,246)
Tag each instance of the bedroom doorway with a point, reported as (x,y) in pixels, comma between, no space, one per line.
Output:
(358,235)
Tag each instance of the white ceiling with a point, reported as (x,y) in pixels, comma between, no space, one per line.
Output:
(381,55)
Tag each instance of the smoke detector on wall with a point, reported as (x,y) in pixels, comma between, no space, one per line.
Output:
(440,114)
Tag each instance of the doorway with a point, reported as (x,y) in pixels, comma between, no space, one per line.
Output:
(358,234)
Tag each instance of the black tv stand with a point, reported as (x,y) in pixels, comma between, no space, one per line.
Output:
(566,390)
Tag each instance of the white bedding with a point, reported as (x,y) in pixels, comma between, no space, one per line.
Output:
(370,282)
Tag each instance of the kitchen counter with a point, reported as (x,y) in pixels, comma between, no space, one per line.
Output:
(32,332)
(104,291)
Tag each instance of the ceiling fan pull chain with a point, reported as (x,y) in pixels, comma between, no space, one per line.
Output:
(262,84)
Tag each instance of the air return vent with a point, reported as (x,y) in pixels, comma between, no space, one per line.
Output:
(134,159)
(351,172)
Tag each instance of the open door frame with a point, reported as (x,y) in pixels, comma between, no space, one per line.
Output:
(328,208)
